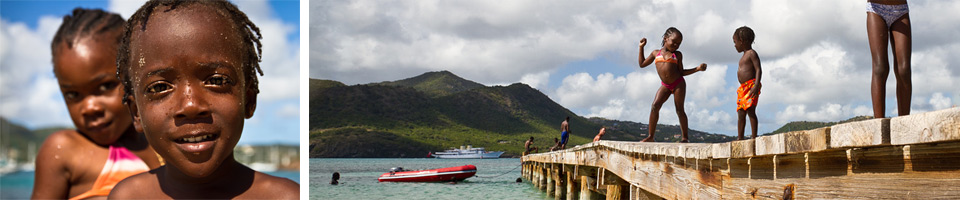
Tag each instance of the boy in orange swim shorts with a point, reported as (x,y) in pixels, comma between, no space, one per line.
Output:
(749,76)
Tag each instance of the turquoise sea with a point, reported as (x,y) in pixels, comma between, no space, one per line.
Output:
(495,179)
(19,185)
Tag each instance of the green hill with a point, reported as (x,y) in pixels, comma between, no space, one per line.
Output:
(439,110)
(808,125)
(436,84)
(15,140)
(665,133)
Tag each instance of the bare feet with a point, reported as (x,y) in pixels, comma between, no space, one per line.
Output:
(648,139)
(684,141)
(740,137)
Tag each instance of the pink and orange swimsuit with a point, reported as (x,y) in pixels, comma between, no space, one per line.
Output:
(671,59)
(121,164)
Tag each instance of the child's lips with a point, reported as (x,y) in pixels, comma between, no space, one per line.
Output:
(99,125)
(197,142)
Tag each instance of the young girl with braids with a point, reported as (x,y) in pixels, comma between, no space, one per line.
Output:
(669,64)
(190,72)
(105,148)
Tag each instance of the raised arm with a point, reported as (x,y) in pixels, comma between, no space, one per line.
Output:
(644,62)
(702,67)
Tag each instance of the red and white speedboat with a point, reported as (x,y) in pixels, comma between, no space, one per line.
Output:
(431,175)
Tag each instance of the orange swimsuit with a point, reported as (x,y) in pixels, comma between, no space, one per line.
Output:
(745,102)
(121,164)
(671,59)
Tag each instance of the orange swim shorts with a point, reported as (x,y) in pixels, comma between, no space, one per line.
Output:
(743,101)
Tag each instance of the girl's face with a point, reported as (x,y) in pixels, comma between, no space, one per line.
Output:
(87,75)
(672,42)
(190,95)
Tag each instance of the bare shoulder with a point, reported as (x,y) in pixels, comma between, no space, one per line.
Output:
(142,185)
(63,137)
(753,54)
(272,187)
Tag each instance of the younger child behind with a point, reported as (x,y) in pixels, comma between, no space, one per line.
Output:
(749,75)
(669,62)
(105,148)
(190,69)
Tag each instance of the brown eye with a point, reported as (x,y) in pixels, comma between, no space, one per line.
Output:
(218,80)
(158,87)
(70,95)
(107,86)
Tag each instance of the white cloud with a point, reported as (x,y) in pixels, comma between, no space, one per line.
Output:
(815,57)
(125,8)
(28,89)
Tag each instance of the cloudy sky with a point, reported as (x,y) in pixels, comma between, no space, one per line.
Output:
(29,91)
(582,54)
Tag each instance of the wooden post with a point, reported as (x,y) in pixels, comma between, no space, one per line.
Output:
(559,189)
(585,192)
(550,184)
(571,186)
(614,191)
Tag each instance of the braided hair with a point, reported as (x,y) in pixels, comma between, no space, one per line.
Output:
(248,31)
(670,31)
(745,34)
(83,23)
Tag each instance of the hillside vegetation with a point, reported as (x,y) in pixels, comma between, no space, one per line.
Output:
(439,110)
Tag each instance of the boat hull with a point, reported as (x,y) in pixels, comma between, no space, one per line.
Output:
(489,155)
(458,173)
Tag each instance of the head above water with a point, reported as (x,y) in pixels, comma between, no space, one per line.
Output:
(84,51)
(671,39)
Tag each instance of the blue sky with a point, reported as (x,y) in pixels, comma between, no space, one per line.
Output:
(583,54)
(31,97)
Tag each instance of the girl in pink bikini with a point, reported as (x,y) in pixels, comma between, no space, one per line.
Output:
(670,68)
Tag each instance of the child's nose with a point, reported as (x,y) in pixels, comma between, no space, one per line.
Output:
(91,107)
(193,104)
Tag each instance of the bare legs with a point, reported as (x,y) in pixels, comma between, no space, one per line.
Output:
(900,37)
(662,94)
(741,121)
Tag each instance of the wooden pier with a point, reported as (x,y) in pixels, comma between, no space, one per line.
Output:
(909,157)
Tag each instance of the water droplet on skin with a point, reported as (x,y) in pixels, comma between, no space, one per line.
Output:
(56,157)
(58,146)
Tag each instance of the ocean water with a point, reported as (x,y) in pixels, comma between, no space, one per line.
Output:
(495,179)
(19,185)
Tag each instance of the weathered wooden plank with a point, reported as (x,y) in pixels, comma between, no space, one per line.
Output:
(721,150)
(860,134)
(942,125)
(925,185)
(769,145)
(742,148)
(807,141)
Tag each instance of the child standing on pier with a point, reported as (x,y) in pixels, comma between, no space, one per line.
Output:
(190,72)
(105,148)
(669,64)
(749,76)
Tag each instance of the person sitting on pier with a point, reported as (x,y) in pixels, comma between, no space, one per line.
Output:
(599,135)
(556,145)
(528,146)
